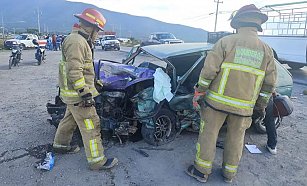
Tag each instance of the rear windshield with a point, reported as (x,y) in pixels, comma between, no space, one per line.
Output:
(165,36)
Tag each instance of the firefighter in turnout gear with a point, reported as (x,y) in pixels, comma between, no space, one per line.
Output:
(77,90)
(237,79)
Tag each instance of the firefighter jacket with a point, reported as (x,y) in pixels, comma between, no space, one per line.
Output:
(76,71)
(239,73)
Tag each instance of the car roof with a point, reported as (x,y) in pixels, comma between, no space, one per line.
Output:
(164,51)
(161,33)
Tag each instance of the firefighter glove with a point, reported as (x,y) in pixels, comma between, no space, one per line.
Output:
(198,99)
(87,101)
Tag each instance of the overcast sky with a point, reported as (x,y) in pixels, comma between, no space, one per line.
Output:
(195,13)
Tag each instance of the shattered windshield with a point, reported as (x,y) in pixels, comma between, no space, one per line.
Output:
(143,58)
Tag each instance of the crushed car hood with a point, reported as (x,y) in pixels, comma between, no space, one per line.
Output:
(120,76)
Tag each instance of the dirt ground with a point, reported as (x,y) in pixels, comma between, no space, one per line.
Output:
(25,90)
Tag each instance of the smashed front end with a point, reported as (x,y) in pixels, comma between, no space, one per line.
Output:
(114,105)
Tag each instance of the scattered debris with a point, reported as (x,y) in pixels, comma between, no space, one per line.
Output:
(141,152)
(47,163)
(39,151)
(253,149)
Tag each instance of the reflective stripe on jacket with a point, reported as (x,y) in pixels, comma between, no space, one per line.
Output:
(76,71)
(239,73)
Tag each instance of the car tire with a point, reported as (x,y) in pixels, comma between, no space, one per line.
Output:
(259,124)
(164,130)
(23,46)
(296,66)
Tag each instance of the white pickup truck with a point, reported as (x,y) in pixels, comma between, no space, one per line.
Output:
(286,32)
(25,40)
(291,50)
(109,42)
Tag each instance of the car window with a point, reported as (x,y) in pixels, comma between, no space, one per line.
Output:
(21,37)
(184,63)
(166,36)
(144,58)
(110,38)
(283,77)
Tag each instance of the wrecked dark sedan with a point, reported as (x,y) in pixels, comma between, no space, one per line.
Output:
(150,92)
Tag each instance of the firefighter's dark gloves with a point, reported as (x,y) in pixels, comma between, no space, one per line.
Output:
(87,101)
(198,99)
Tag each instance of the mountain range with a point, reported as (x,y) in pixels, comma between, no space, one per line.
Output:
(56,16)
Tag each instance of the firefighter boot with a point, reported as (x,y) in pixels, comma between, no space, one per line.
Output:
(104,165)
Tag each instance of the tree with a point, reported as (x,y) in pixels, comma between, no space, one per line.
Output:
(32,30)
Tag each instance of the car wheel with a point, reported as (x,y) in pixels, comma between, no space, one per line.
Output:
(164,130)
(260,125)
(23,46)
(296,66)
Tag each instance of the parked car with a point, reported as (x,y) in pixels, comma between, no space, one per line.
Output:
(109,42)
(124,40)
(25,40)
(127,105)
(161,38)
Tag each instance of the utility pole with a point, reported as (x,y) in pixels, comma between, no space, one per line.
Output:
(120,30)
(38,21)
(216,12)
(2,26)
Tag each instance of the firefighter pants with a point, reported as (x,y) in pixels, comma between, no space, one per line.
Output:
(211,122)
(88,122)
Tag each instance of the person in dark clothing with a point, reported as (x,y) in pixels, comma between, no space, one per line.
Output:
(269,121)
